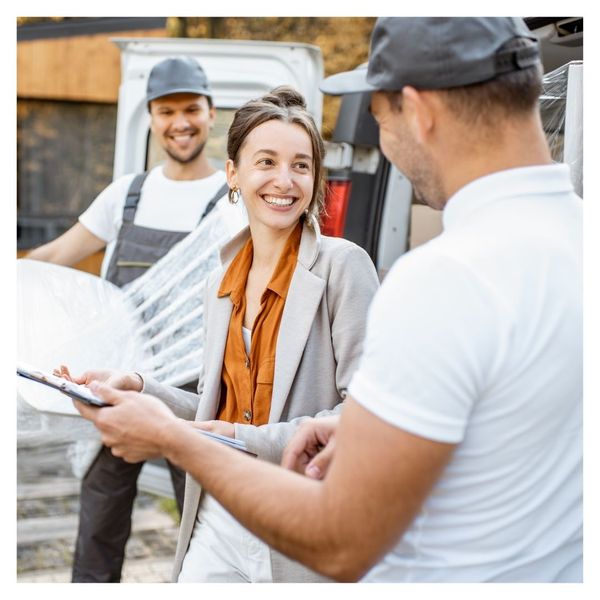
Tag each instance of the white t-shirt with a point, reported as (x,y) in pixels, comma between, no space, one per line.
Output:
(166,204)
(476,339)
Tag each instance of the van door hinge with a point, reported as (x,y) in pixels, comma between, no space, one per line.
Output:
(338,155)
(366,159)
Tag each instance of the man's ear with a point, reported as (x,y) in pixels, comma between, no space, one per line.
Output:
(212,116)
(151,115)
(419,113)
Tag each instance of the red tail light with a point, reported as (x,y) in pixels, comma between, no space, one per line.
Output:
(336,205)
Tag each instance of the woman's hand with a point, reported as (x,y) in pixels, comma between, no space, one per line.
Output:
(119,380)
(221,427)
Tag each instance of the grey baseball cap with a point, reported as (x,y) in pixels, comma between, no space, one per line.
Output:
(438,52)
(175,76)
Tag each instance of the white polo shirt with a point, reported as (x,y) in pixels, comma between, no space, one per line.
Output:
(476,339)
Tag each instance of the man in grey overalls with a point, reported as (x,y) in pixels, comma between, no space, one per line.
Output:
(138,218)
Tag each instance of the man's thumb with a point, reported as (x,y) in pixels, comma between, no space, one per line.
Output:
(105,392)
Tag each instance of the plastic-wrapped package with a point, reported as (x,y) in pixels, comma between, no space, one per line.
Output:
(67,316)
(561,108)
(152,325)
(168,300)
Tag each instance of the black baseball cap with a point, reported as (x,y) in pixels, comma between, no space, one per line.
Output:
(438,52)
(176,76)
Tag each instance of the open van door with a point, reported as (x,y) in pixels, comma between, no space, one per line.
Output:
(237,72)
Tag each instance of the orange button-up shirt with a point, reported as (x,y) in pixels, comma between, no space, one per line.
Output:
(247,381)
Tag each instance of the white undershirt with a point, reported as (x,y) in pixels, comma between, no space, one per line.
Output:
(167,204)
(247,335)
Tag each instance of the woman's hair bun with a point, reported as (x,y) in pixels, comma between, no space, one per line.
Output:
(285,96)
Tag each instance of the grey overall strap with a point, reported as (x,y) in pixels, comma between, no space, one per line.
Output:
(133,197)
(220,192)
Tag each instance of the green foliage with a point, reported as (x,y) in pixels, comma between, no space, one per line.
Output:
(169,506)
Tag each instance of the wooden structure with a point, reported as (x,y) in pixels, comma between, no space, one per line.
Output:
(76,60)
(68,74)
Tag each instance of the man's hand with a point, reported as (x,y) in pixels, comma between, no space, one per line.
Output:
(221,427)
(133,426)
(311,449)
(119,380)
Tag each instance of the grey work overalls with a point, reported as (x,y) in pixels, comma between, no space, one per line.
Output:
(138,248)
(109,488)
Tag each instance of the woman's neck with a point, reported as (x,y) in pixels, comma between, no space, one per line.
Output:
(268,244)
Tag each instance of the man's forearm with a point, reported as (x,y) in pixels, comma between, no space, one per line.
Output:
(377,481)
(289,512)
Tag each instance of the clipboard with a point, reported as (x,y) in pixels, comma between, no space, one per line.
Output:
(74,390)
(83,393)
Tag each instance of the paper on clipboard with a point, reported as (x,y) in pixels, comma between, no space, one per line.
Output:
(65,387)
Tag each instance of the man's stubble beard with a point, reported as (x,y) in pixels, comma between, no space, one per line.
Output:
(424,177)
(193,156)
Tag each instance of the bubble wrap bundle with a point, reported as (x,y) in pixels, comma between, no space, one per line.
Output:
(561,108)
(152,325)
(167,299)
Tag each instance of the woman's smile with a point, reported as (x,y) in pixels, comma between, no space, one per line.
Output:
(279,202)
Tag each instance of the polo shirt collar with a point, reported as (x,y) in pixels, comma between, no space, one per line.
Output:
(523,181)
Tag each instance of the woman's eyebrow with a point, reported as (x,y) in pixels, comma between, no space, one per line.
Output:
(265,151)
(273,153)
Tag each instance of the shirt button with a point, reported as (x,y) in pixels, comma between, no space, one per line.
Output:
(247,363)
(247,415)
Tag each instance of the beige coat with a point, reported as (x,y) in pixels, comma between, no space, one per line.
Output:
(318,348)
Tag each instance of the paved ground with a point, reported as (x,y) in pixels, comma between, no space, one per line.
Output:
(47,508)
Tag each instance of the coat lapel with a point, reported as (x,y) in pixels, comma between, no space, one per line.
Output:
(214,351)
(214,347)
(303,299)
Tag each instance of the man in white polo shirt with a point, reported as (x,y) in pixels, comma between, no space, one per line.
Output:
(458,456)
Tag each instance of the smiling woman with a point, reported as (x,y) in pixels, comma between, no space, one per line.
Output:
(284,320)
(274,175)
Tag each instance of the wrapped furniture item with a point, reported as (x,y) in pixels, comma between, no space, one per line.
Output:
(561,105)
(152,325)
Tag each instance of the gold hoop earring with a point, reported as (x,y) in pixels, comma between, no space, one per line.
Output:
(234,195)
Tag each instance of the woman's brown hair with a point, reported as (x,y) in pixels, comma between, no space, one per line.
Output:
(286,104)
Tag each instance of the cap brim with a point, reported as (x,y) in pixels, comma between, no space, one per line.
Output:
(349,82)
(202,92)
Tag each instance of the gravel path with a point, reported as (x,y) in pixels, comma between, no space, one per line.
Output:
(47,509)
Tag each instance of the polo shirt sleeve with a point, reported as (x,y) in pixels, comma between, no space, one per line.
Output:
(104,216)
(431,339)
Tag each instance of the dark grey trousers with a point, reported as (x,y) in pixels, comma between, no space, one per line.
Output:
(107,494)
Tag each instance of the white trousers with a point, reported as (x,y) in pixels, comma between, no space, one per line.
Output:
(222,551)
